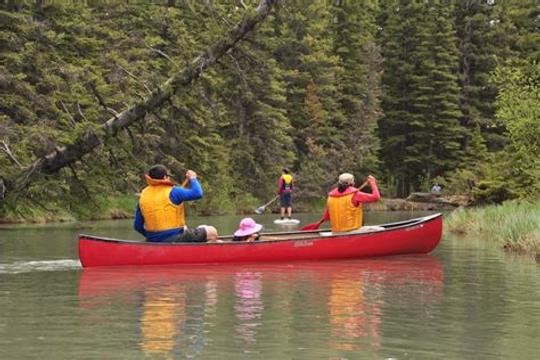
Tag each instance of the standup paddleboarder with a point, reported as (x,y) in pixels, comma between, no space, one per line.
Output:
(285,188)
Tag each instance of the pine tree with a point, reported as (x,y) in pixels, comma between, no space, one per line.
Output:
(485,38)
(420,131)
(354,30)
(304,49)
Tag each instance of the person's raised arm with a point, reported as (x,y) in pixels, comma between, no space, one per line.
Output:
(179,194)
(362,197)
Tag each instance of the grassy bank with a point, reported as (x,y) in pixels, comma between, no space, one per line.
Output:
(515,225)
(113,207)
(122,206)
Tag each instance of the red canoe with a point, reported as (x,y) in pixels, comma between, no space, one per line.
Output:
(413,236)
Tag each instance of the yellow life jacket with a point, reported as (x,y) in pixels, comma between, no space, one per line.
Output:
(344,216)
(287,182)
(157,209)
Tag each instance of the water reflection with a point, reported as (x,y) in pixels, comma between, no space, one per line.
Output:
(182,310)
(352,316)
(358,295)
(162,318)
(248,305)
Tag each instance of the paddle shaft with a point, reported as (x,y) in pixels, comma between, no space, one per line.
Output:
(271,201)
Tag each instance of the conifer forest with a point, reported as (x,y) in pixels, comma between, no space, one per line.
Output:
(415,92)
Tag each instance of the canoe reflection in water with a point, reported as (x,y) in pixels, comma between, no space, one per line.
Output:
(187,310)
(352,316)
(248,304)
(162,318)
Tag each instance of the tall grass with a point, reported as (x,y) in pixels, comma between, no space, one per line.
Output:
(514,224)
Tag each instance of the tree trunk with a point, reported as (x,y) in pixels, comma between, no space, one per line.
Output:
(179,82)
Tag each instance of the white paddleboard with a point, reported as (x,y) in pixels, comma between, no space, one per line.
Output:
(287,221)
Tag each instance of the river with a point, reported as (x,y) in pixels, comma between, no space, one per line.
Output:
(466,300)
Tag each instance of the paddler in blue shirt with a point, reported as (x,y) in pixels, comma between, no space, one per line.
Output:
(159,215)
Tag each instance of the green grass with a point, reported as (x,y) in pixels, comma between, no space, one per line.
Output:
(111,207)
(514,224)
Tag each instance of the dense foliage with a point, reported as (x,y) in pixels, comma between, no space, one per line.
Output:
(413,90)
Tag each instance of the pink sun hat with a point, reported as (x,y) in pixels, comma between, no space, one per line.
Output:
(248,226)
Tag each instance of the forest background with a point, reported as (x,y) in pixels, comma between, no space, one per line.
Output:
(414,92)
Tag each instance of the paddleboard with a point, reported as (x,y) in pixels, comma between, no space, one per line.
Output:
(287,221)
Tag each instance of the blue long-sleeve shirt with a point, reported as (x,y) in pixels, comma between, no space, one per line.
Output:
(177,196)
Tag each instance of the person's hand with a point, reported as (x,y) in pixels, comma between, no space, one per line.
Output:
(371,179)
(190,174)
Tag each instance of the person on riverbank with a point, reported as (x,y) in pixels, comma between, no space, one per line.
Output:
(285,188)
(344,203)
(159,215)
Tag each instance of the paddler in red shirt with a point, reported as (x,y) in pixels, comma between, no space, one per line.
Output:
(344,203)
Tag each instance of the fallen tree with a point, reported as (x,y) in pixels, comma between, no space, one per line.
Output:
(65,155)
(453,200)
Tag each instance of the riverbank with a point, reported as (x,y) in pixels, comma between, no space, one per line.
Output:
(113,207)
(514,225)
(123,206)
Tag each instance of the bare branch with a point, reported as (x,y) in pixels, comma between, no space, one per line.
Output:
(135,78)
(3,189)
(80,111)
(7,150)
(179,82)
(158,52)
(213,106)
(82,185)
(73,122)
(101,101)
(240,72)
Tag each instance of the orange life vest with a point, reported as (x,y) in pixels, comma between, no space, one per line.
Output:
(344,216)
(157,209)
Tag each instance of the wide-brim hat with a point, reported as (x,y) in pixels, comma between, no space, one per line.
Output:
(248,226)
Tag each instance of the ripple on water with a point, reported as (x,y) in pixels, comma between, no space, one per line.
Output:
(36,266)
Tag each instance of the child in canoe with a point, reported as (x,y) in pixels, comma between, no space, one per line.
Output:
(248,230)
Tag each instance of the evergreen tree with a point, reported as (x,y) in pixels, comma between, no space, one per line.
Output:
(485,38)
(354,29)
(420,131)
(311,71)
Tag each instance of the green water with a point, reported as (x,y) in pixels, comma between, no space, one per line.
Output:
(466,300)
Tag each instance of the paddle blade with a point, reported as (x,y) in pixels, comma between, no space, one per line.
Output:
(313,226)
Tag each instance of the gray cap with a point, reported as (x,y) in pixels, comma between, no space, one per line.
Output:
(346,179)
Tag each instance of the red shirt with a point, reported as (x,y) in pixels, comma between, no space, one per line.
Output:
(358,198)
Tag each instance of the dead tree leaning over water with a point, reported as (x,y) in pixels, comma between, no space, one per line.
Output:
(87,142)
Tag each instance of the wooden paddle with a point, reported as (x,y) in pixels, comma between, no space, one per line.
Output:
(316,225)
(261,209)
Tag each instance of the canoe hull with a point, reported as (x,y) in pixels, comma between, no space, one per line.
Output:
(413,237)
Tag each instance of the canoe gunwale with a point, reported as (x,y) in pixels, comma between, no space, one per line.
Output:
(309,235)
